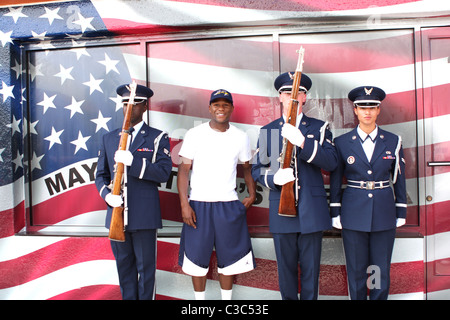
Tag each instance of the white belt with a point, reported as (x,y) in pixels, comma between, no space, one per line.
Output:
(368,185)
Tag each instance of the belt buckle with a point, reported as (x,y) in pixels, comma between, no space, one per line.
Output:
(370,185)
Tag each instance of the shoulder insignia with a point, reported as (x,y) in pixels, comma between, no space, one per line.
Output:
(167,152)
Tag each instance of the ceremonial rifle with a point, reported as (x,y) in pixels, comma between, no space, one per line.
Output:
(116,228)
(288,200)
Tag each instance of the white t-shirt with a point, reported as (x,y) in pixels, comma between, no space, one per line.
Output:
(215,156)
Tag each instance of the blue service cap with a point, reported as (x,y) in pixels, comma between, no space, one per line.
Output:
(366,96)
(142,92)
(221,94)
(285,80)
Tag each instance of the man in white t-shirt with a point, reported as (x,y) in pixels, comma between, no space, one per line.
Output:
(212,214)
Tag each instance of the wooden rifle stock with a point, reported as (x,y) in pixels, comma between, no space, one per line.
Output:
(288,201)
(116,228)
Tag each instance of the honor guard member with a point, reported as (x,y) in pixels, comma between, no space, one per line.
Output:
(298,240)
(373,204)
(147,163)
(212,214)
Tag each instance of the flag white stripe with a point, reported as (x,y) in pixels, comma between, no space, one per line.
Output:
(259,83)
(174,13)
(98,272)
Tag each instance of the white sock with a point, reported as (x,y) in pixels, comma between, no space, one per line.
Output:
(226,294)
(199,295)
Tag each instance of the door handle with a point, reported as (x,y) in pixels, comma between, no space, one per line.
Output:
(438,163)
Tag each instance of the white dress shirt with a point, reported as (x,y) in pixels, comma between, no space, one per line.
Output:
(368,141)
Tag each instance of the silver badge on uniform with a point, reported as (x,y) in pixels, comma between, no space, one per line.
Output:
(351,160)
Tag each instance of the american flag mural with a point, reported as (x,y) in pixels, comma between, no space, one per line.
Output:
(60,63)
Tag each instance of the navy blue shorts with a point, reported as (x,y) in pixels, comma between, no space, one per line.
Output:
(220,225)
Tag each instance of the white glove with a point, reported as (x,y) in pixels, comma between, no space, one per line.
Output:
(336,222)
(124,156)
(293,134)
(113,200)
(283,176)
(400,222)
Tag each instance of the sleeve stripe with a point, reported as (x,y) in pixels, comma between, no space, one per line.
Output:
(316,145)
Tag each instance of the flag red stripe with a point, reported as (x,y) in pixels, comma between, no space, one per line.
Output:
(438,217)
(67,205)
(299,5)
(53,257)
(406,277)
(399,107)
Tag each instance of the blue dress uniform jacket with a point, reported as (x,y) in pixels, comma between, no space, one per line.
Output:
(151,165)
(298,240)
(318,153)
(362,209)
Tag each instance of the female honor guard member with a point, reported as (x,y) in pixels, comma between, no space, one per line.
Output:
(147,163)
(368,210)
(298,240)
(213,216)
